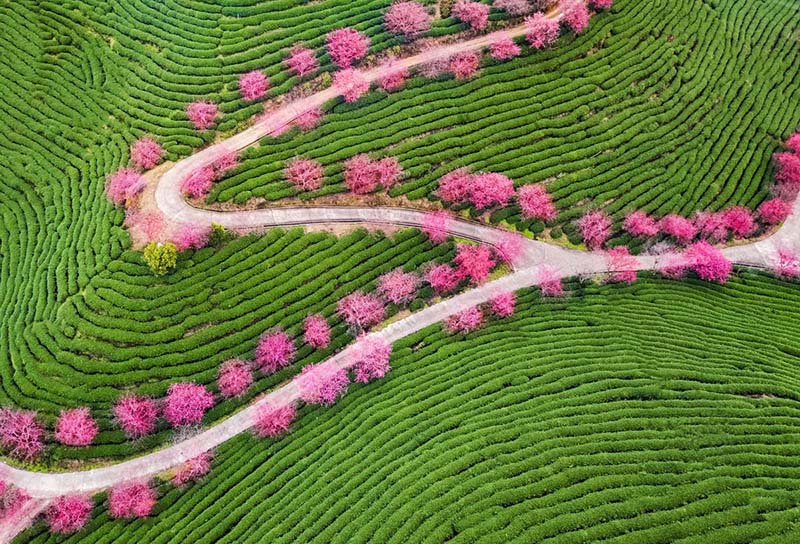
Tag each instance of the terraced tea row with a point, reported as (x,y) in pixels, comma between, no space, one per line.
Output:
(666,433)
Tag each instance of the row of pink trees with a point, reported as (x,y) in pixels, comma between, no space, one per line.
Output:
(362,174)
(23,436)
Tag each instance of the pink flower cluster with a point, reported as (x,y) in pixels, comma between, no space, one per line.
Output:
(304,174)
(21,435)
(481,190)
(549,282)
(351,84)
(575,14)
(363,175)
(394,77)
(309,119)
(361,311)
(465,64)
(503,305)
(541,31)
(514,8)
(193,469)
(186,403)
(301,61)
(316,331)
(622,264)
(442,278)
(191,236)
(475,14)
(465,321)
(234,378)
(12,499)
(198,183)
(253,85)
(131,500)
(202,114)
(272,421)
(76,427)
(123,184)
(787,264)
(474,262)
(504,48)
(640,224)
(535,203)
(370,358)
(146,153)
(407,19)
(68,514)
(346,46)
(275,350)
(322,383)
(397,286)
(509,247)
(595,228)
(136,415)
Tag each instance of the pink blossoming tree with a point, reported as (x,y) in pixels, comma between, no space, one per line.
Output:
(322,383)
(475,14)
(504,48)
(21,435)
(740,221)
(407,19)
(202,114)
(361,311)
(12,499)
(680,228)
(186,403)
(535,203)
(234,378)
(602,4)
(76,427)
(346,46)
(193,469)
(575,15)
(673,266)
(774,211)
(622,264)
(442,278)
(363,175)
(272,421)
(465,64)
(146,153)
(301,61)
(454,186)
(640,224)
(436,224)
(136,415)
(253,85)
(316,331)
(388,171)
(224,163)
(711,226)
(595,228)
(509,247)
(515,8)
(549,282)
(473,262)
(351,84)
(370,358)
(394,77)
(490,189)
(793,142)
(191,236)
(304,174)
(708,262)
(786,264)
(398,286)
(198,183)
(787,175)
(502,305)
(68,514)
(131,500)
(465,321)
(309,119)
(275,350)
(123,184)
(541,31)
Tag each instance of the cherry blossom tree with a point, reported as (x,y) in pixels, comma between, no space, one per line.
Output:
(465,321)
(535,203)
(602,4)
(711,226)
(465,64)
(186,403)
(253,85)
(740,221)
(490,189)
(774,211)
(474,14)
(708,262)
(436,224)
(398,286)
(224,163)
(549,282)
(360,176)
(309,119)
(275,350)
(234,378)
(316,331)
(622,264)
(442,278)
(786,264)
(541,31)
(454,186)
(351,84)
(394,77)
(304,174)
(407,19)
(575,15)
(151,224)
(193,469)
(198,183)
(136,415)
(793,142)
(509,247)
(123,184)
(21,435)
(191,236)
(473,262)
(12,499)
(68,514)
(680,228)
(202,114)
(301,61)
(322,383)
(370,358)
(361,311)
(640,224)
(131,500)
(272,421)
(345,46)
(504,48)
(673,266)
(502,305)
(388,171)
(515,8)
(146,153)
(787,175)
(76,427)
(595,228)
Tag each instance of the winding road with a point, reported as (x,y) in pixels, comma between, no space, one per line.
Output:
(43,487)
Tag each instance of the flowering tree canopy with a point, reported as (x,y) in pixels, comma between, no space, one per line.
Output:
(370,358)
(710,225)
(186,403)
(275,350)
(76,427)
(234,378)
(622,264)
(360,310)
(394,77)
(740,221)
(398,286)
(301,61)
(436,224)
(465,64)
(68,514)
(351,84)
(787,174)
(680,228)
(454,186)
(473,262)
(535,203)
(707,262)
(12,499)
(490,189)
(514,8)
(502,305)
(202,114)
(363,175)
(407,19)
(442,278)
(322,383)
(465,321)
(191,236)
(304,174)
(316,331)
(774,211)
(786,264)
(271,421)
(595,228)
(193,469)
(131,500)
(640,224)
(146,153)
(474,14)
(21,435)
(504,48)
(198,183)
(541,30)
(575,14)
(549,282)
(136,415)
(309,119)
(253,85)
(224,163)
(123,184)
(509,247)
(345,46)
(602,4)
